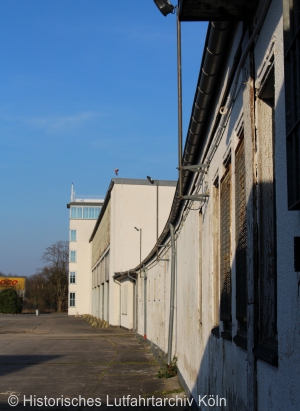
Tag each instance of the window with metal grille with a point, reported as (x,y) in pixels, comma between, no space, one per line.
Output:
(266,207)
(225,249)
(241,238)
(291,18)
(216,256)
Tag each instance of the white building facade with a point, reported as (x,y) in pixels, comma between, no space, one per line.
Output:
(133,215)
(83,215)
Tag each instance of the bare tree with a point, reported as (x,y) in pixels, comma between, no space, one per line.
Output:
(55,272)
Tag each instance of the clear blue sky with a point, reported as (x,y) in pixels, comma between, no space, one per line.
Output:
(86,86)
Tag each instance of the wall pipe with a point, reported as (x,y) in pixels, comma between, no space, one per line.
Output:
(179,88)
(134,301)
(145,303)
(172,295)
(117,282)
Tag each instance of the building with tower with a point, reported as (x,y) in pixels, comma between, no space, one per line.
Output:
(84,211)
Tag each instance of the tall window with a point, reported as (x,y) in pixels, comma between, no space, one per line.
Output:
(73,257)
(216,254)
(225,251)
(72,277)
(241,238)
(72,300)
(267,269)
(292,98)
(73,235)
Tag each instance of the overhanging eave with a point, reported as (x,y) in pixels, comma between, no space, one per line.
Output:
(217,10)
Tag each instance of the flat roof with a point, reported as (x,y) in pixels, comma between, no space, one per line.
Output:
(143,182)
(129,181)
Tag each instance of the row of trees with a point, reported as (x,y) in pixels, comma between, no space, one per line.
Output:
(48,288)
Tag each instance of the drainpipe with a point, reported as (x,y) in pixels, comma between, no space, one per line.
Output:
(171,320)
(134,300)
(145,303)
(118,282)
(179,91)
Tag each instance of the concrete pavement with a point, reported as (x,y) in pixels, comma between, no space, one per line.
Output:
(65,359)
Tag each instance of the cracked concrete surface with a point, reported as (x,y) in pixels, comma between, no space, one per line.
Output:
(64,357)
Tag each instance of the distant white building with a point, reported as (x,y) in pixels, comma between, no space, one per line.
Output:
(133,215)
(84,212)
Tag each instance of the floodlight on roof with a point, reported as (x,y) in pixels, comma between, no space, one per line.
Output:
(164,6)
(150,179)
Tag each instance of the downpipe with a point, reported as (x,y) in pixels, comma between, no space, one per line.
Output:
(118,282)
(134,301)
(145,303)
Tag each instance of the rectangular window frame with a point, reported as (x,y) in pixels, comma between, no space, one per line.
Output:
(72,277)
(72,299)
(73,256)
(267,346)
(225,251)
(216,257)
(241,278)
(73,235)
(84,212)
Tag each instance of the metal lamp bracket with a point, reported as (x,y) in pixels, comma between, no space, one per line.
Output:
(198,168)
(196,197)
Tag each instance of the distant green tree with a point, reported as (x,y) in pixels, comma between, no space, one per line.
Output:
(10,302)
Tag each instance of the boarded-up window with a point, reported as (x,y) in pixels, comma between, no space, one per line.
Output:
(225,247)
(216,250)
(241,236)
(267,212)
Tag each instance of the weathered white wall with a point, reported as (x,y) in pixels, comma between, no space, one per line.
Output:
(208,364)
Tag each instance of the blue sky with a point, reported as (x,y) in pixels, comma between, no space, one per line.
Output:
(86,86)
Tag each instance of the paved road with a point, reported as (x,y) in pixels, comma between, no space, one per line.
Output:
(63,358)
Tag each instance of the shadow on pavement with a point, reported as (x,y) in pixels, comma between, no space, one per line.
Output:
(14,363)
